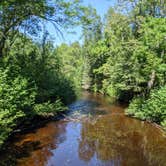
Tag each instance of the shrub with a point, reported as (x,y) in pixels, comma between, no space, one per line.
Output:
(49,109)
(152,109)
(18,103)
(16,100)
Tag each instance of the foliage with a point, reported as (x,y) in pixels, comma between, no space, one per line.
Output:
(32,78)
(16,101)
(152,109)
(46,109)
(29,15)
(128,65)
(123,57)
(128,62)
(72,63)
(31,84)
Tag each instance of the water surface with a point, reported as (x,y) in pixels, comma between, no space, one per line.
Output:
(95,132)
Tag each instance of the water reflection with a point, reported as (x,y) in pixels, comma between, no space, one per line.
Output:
(34,149)
(94,133)
(116,139)
(122,140)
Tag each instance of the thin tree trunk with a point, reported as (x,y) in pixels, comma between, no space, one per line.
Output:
(2,45)
(152,80)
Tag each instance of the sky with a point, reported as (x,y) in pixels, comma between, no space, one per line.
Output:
(101,6)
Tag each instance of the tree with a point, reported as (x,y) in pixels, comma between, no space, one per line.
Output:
(29,15)
(154,8)
(92,30)
(72,62)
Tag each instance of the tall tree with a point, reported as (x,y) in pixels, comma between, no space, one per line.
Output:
(92,30)
(28,16)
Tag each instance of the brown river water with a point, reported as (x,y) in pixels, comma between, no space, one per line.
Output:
(95,132)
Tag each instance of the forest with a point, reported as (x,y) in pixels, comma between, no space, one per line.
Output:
(122,56)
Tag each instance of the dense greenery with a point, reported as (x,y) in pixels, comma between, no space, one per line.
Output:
(128,62)
(152,109)
(123,57)
(73,63)
(35,79)
(31,84)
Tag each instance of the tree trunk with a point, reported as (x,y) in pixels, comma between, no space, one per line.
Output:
(2,45)
(152,80)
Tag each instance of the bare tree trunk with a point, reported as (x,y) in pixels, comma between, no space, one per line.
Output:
(152,80)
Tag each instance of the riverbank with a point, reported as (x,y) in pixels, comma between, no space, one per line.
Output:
(30,125)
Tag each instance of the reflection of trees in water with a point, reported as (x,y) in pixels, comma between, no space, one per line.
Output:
(34,149)
(121,139)
(87,148)
(107,138)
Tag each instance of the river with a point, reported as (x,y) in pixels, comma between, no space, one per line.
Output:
(94,132)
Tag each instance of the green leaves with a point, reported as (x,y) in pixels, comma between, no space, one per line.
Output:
(129,61)
(33,84)
(72,63)
(152,34)
(16,100)
(49,109)
(31,16)
(152,109)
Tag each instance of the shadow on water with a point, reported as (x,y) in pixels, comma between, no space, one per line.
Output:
(93,133)
(35,146)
